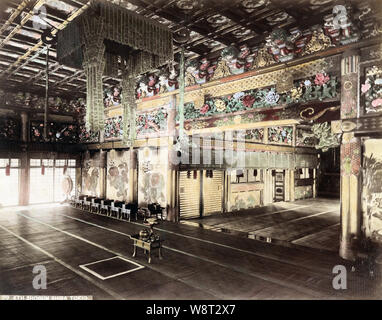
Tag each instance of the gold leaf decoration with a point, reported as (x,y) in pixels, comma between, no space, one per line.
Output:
(263,59)
(318,42)
(222,70)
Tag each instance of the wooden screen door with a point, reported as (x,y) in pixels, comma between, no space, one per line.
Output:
(279,185)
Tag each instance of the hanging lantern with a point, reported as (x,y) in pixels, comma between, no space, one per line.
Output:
(42,170)
(8,170)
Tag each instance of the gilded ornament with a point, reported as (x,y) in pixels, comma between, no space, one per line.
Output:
(189,79)
(296,93)
(263,58)
(318,42)
(348,85)
(222,70)
(220,105)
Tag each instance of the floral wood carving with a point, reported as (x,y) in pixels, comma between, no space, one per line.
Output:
(323,132)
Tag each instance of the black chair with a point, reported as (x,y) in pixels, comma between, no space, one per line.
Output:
(133,207)
(156,210)
(115,208)
(80,201)
(126,213)
(105,206)
(96,205)
(86,205)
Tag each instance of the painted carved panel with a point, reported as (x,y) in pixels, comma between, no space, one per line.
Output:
(9,129)
(280,135)
(371,90)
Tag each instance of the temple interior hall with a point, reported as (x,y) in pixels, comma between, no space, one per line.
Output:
(191,149)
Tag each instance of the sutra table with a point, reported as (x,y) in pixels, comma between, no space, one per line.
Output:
(147,245)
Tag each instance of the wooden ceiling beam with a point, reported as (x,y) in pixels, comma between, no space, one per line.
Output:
(39,43)
(16,12)
(162,12)
(38,4)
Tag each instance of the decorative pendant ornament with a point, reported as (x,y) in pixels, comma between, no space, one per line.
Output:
(93,64)
(103,35)
(129,109)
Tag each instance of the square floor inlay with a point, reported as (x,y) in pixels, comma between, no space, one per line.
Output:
(112,267)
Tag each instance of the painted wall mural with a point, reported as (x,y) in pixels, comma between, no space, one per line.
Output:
(372,189)
(152,177)
(118,175)
(92,175)
(245,196)
(371,90)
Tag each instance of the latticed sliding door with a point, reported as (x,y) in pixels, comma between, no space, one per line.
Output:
(212,192)
(189,194)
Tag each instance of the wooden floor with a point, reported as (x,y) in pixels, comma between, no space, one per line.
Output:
(197,264)
(311,223)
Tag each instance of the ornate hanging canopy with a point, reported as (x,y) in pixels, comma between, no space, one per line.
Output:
(105,40)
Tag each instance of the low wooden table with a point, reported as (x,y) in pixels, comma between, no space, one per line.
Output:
(147,246)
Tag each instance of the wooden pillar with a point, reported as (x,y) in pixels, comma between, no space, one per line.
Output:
(24,161)
(292,184)
(24,126)
(24,180)
(172,169)
(268,187)
(133,176)
(350,160)
(314,183)
(102,173)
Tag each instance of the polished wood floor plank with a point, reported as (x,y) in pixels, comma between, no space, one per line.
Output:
(197,264)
